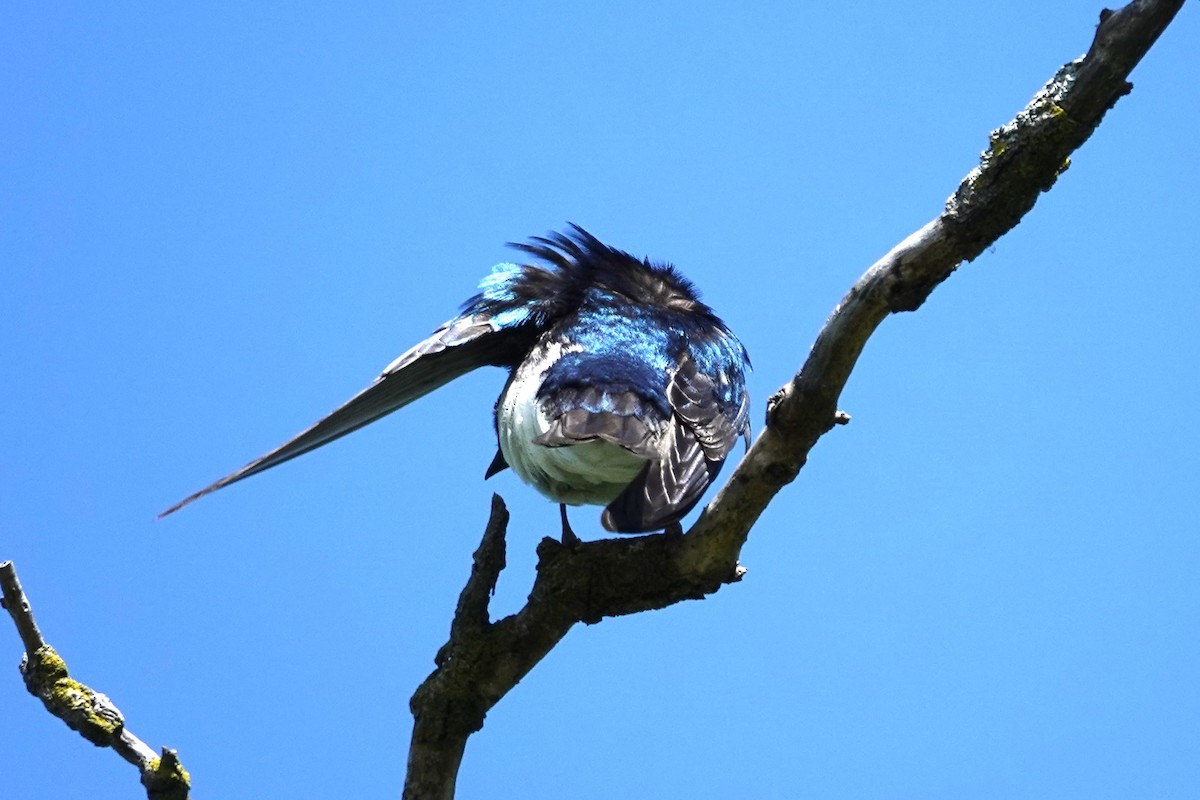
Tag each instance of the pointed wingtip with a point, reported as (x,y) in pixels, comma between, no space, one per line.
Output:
(228,479)
(182,503)
(171,510)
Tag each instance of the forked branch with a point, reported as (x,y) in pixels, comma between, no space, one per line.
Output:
(592,580)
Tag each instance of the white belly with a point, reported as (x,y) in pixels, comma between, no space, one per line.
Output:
(591,473)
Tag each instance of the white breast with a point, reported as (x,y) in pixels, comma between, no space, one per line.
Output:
(591,473)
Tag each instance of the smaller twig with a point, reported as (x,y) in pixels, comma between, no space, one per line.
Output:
(18,608)
(85,710)
(472,612)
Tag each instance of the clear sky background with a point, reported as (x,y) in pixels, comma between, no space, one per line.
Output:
(219,222)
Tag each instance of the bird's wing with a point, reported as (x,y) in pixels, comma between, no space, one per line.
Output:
(701,432)
(456,348)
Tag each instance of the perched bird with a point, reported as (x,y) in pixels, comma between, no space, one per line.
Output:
(624,390)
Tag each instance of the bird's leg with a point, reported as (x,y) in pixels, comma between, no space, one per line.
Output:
(674,529)
(568,536)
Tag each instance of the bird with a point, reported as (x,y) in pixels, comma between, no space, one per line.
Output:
(624,389)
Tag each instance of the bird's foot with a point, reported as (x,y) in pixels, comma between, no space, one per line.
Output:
(569,539)
(674,529)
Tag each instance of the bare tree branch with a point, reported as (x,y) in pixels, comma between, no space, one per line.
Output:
(588,581)
(84,709)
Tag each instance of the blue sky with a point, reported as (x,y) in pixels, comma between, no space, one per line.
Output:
(217,223)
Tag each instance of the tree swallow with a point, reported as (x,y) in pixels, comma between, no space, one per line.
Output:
(624,390)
